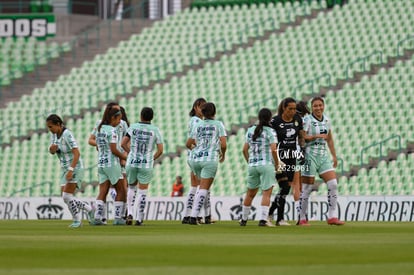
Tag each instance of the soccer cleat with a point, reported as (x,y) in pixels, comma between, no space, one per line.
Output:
(303,223)
(282,223)
(270,218)
(186,220)
(243,222)
(199,220)
(119,222)
(193,221)
(97,222)
(335,221)
(264,223)
(75,224)
(138,223)
(129,220)
(207,220)
(104,221)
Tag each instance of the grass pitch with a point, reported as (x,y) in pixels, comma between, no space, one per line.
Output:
(50,247)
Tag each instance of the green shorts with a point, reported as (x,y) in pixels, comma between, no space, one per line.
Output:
(204,169)
(113,174)
(316,165)
(77,177)
(262,177)
(142,175)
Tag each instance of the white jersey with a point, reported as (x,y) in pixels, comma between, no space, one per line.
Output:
(105,137)
(207,138)
(66,142)
(313,126)
(194,122)
(144,138)
(260,153)
(121,130)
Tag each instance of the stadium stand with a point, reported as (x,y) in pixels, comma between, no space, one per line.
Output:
(120,69)
(333,45)
(22,55)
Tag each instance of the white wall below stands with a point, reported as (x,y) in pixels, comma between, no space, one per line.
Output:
(351,208)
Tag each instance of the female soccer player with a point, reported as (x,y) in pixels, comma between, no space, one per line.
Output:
(289,130)
(196,118)
(302,110)
(109,167)
(318,134)
(208,144)
(121,131)
(144,139)
(64,145)
(260,153)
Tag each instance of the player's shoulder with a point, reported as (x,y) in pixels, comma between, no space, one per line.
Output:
(195,119)
(307,118)
(326,118)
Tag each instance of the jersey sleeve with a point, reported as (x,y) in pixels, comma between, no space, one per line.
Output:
(222,130)
(328,124)
(158,135)
(272,136)
(306,123)
(114,136)
(70,140)
(95,128)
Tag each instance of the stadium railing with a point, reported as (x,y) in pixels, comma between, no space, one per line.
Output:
(380,145)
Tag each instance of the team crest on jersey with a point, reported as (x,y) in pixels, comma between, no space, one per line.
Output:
(296,123)
(281,125)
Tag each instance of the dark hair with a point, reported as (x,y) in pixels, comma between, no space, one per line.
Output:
(124,115)
(147,114)
(198,102)
(284,103)
(265,115)
(111,104)
(55,119)
(209,110)
(108,114)
(317,98)
(302,108)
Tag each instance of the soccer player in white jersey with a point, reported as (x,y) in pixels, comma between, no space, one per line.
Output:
(260,152)
(318,135)
(196,118)
(144,138)
(64,145)
(109,167)
(121,131)
(208,144)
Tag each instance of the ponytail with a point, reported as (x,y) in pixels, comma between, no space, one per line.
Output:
(265,115)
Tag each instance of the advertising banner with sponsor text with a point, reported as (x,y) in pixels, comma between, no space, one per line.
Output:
(350,208)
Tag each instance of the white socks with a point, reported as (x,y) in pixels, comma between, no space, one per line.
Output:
(119,209)
(246,212)
(142,200)
(332,198)
(264,212)
(199,202)
(304,200)
(190,201)
(132,193)
(207,205)
(71,202)
(100,209)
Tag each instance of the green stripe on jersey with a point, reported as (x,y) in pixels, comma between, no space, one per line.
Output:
(144,139)
(259,150)
(207,136)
